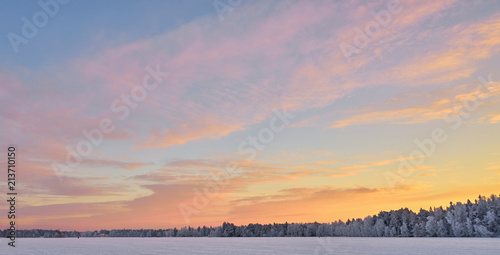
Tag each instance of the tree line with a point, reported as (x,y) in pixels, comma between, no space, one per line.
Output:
(478,219)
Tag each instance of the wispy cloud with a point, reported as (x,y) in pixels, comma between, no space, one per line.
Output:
(437,109)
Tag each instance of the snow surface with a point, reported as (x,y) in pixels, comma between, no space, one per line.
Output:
(253,245)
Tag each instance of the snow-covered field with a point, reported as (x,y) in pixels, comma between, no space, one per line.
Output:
(273,245)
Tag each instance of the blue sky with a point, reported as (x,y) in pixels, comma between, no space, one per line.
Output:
(358,116)
(87,27)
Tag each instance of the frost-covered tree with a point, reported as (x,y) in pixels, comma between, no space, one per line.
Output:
(431,226)
(380,227)
(405,232)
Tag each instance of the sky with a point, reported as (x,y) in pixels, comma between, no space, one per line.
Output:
(158,114)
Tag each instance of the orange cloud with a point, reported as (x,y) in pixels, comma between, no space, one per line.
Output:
(495,118)
(493,165)
(422,113)
(203,128)
(416,114)
(465,45)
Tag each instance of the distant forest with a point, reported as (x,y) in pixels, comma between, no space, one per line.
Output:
(478,219)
